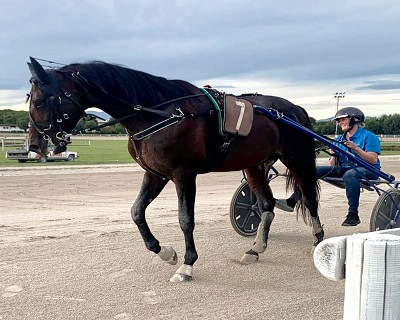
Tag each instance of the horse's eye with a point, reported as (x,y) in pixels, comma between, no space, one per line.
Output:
(38,103)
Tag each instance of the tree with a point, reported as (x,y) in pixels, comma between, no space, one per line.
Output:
(23,123)
(374,125)
(324,127)
(387,124)
(19,118)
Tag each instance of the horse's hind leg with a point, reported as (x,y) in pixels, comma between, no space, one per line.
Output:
(305,179)
(311,196)
(265,202)
(152,185)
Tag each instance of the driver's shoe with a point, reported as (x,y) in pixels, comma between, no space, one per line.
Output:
(285,204)
(351,221)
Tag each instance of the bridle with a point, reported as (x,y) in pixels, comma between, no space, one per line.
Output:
(55,122)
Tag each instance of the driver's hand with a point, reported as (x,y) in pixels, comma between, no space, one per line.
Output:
(351,145)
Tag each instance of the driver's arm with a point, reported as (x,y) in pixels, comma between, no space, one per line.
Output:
(369,156)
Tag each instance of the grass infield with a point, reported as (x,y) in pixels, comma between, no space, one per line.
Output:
(98,152)
(115,151)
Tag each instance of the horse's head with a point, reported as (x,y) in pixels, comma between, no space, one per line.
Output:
(53,112)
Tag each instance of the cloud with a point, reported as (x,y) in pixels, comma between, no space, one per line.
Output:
(379,85)
(9,98)
(315,46)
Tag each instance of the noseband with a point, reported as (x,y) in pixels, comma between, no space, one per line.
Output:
(55,123)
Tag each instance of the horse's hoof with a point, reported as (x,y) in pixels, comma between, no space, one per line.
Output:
(183,274)
(249,258)
(259,247)
(179,277)
(174,259)
(168,254)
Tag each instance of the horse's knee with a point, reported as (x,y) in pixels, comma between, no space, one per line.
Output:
(134,214)
(137,214)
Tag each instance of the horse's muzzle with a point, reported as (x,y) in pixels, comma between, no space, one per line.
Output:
(59,149)
(37,143)
(35,148)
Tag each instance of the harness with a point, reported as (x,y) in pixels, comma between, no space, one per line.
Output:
(172,118)
(55,124)
(55,94)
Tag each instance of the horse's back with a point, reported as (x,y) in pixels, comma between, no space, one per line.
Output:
(295,147)
(284,106)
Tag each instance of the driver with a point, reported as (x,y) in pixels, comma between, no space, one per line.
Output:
(359,141)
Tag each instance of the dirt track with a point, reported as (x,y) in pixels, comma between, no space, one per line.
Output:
(69,250)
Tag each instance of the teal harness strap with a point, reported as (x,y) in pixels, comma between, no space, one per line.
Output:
(216,108)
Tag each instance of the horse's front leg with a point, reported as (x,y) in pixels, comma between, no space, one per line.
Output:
(152,185)
(265,204)
(186,191)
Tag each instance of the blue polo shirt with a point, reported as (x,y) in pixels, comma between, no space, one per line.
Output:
(364,139)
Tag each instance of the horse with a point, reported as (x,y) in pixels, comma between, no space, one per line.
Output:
(174,135)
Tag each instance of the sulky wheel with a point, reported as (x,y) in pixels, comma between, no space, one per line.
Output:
(384,211)
(243,211)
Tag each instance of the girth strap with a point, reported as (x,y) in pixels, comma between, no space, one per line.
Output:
(223,151)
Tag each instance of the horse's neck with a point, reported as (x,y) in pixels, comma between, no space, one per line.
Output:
(114,112)
(118,108)
(125,113)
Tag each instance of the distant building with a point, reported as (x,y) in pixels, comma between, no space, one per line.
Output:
(11,128)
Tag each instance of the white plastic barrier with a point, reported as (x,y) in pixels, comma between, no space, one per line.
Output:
(370,263)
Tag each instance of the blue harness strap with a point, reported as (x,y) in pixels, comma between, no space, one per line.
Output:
(276,115)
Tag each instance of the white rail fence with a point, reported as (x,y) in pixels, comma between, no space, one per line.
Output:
(370,265)
(13,143)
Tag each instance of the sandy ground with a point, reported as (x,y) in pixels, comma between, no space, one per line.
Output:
(68,250)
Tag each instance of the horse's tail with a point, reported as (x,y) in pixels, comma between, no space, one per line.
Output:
(301,171)
(303,203)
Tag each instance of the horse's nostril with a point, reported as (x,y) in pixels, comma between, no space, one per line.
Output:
(59,149)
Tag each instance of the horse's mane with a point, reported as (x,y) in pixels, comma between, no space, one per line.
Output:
(128,83)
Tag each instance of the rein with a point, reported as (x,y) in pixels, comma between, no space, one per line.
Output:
(172,118)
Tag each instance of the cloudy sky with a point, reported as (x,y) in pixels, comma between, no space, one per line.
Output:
(304,51)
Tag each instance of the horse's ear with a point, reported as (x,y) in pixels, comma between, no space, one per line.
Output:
(38,72)
(30,67)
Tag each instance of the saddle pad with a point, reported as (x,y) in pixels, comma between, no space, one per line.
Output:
(238,116)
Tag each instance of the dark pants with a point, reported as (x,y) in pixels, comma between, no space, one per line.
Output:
(351,178)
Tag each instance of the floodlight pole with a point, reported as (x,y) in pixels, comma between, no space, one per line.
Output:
(337,96)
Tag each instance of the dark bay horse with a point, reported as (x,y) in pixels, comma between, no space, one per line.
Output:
(174,135)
